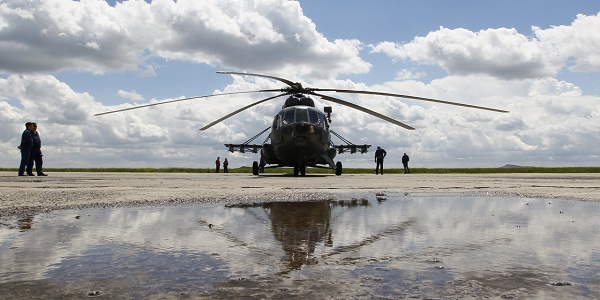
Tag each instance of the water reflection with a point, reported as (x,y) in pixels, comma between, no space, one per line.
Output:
(369,246)
(301,226)
(25,222)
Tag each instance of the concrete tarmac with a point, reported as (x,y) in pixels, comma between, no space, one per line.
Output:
(19,194)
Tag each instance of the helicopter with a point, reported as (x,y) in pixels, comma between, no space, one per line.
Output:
(300,133)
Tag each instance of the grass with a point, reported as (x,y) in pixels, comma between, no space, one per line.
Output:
(328,171)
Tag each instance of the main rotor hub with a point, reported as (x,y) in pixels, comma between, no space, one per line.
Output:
(297,100)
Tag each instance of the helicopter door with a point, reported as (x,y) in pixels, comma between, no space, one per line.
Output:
(325,126)
(275,129)
(313,118)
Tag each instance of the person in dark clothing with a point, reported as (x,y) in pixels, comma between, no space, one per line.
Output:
(36,153)
(217,164)
(379,156)
(225,165)
(25,147)
(405,160)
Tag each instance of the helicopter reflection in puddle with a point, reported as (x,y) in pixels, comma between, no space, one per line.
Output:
(301,227)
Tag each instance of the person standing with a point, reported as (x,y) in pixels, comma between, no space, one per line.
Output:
(379,156)
(405,160)
(25,147)
(36,153)
(218,164)
(225,165)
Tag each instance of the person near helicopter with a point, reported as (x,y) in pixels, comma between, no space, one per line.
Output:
(25,147)
(379,156)
(225,165)
(405,160)
(36,153)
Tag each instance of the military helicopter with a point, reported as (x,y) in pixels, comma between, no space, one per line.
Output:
(300,133)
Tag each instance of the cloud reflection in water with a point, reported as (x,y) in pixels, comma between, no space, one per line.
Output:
(422,245)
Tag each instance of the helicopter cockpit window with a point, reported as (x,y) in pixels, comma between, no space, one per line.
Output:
(322,120)
(276,122)
(301,116)
(288,117)
(313,117)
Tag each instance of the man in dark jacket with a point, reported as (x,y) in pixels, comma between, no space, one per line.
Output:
(405,160)
(36,153)
(25,147)
(379,156)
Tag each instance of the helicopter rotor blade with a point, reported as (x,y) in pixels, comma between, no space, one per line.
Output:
(182,99)
(239,110)
(409,97)
(365,110)
(288,82)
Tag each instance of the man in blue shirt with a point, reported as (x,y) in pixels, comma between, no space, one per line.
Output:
(25,147)
(379,156)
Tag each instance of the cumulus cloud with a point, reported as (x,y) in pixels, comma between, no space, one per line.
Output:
(77,139)
(48,36)
(38,36)
(579,41)
(132,95)
(503,52)
(409,75)
(552,86)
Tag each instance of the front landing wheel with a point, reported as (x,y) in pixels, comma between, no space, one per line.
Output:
(338,168)
(255,168)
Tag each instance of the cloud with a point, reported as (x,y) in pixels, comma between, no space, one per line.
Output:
(552,86)
(56,35)
(409,75)
(39,36)
(502,53)
(578,41)
(505,53)
(133,95)
(150,71)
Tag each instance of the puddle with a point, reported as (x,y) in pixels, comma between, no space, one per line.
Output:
(377,246)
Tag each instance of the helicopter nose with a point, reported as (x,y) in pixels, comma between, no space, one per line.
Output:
(302,128)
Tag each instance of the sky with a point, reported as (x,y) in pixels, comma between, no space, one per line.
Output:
(62,62)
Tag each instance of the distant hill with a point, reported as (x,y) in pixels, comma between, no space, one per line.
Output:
(515,166)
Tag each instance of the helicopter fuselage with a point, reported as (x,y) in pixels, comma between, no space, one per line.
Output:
(300,136)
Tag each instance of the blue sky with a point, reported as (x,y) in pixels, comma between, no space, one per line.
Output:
(62,61)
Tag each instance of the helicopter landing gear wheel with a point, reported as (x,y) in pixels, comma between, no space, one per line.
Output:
(255,168)
(338,168)
(299,169)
